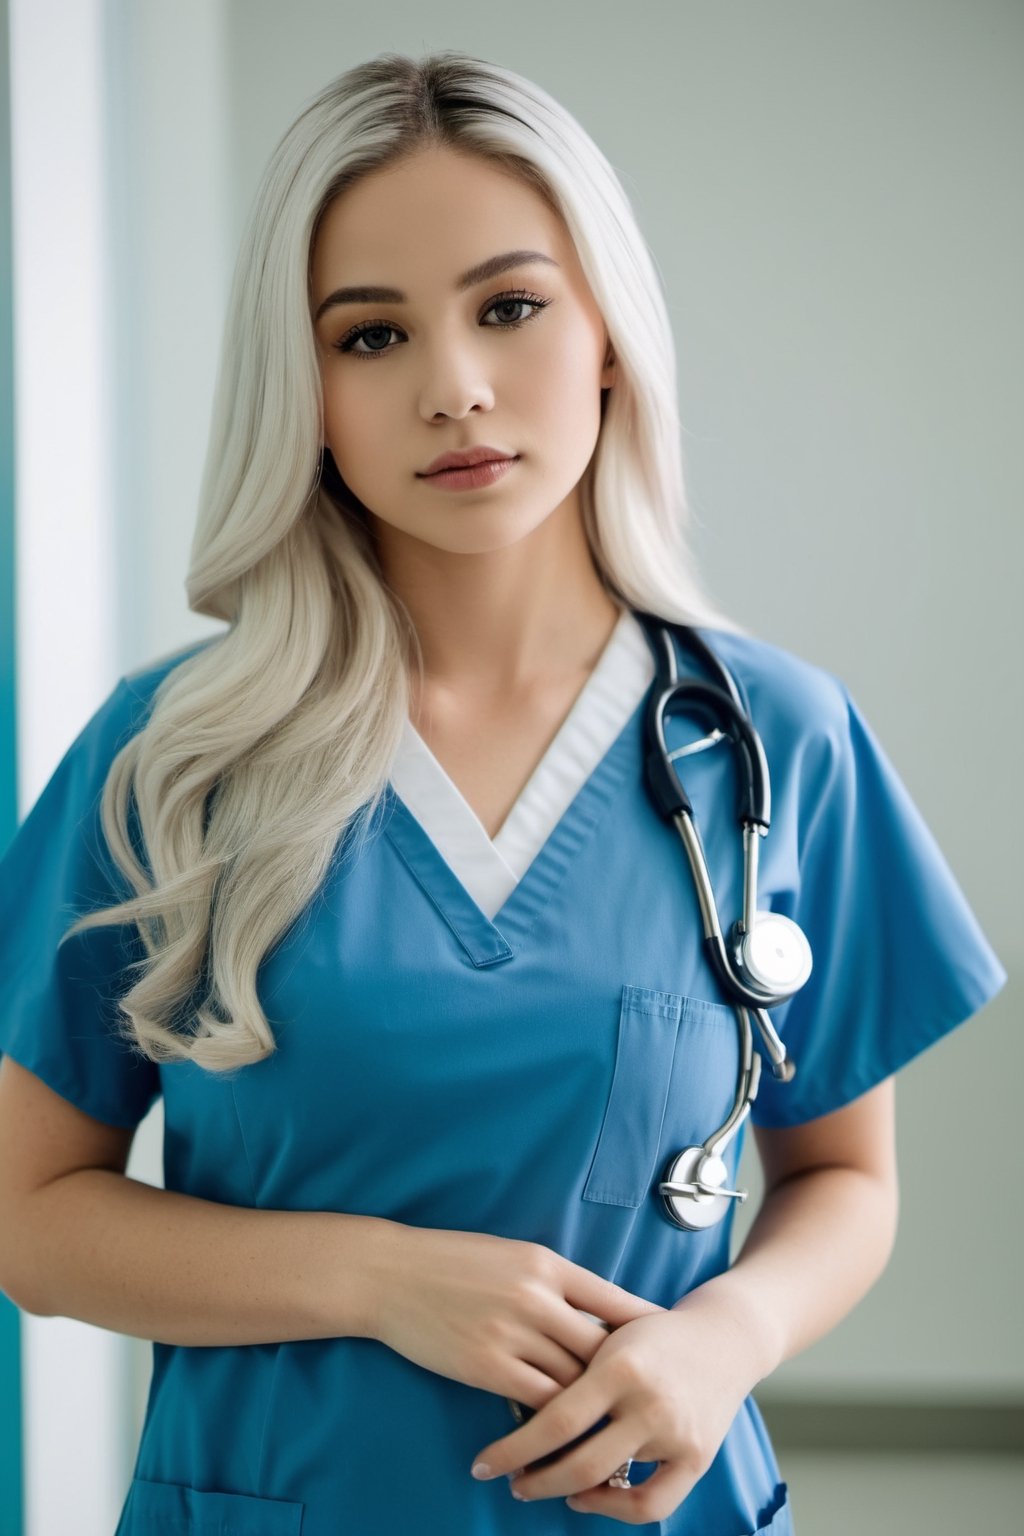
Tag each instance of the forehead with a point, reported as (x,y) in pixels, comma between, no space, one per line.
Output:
(418,224)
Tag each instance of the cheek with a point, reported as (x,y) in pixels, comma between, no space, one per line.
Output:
(570,378)
(354,419)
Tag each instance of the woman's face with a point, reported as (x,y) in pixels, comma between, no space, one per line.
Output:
(447,367)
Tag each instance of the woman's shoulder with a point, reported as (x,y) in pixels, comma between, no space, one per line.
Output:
(121,714)
(142,683)
(789,694)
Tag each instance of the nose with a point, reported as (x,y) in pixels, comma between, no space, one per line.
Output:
(454,383)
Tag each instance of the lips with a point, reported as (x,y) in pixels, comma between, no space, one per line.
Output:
(465,460)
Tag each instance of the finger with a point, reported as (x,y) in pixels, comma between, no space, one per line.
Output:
(656,1498)
(593,1293)
(587,1464)
(581,1332)
(557,1359)
(532,1387)
(544,1369)
(568,1413)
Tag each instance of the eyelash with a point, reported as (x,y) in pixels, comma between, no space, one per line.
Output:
(518,295)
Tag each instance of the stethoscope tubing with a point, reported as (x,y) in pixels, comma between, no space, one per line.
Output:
(697,1174)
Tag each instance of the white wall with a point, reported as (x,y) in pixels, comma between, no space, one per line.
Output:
(66,586)
(170,197)
(119,284)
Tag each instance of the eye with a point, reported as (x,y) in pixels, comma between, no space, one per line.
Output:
(517,298)
(380,328)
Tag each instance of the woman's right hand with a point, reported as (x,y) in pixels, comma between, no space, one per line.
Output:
(494,1312)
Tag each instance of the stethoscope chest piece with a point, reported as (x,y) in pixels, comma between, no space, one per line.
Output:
(773,954)
(685,1202)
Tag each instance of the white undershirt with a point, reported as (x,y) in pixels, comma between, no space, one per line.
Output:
(490,870)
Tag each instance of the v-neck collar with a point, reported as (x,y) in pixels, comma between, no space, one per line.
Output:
(445,845)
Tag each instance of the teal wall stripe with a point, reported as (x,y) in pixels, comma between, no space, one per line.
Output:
(11,1494)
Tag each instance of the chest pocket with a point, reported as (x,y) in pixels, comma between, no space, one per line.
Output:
(174,1509)
(653,1028)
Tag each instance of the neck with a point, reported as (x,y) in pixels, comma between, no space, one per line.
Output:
(503,621)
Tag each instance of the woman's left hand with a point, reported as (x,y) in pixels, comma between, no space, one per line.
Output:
(671,1383)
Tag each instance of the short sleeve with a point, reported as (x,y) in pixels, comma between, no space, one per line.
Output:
(59,1013)
(899,959)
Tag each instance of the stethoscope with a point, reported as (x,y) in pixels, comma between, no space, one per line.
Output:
(765,958)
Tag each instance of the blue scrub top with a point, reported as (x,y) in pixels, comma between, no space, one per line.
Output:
(526,1076)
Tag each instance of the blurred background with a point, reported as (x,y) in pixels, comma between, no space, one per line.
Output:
(834,198)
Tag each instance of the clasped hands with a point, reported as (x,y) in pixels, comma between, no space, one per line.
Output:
(669,1383)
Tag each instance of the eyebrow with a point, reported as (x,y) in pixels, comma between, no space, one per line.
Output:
(492,267)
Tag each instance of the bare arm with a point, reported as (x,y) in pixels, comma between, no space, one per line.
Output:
(109,1250)
(823,1235)
(78,1238)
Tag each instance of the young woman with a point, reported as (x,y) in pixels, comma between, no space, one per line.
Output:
(377,894)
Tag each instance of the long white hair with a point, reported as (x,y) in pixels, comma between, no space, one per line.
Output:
(271,741)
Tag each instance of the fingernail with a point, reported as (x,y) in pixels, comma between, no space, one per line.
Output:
(481,1469)
(577,1507)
